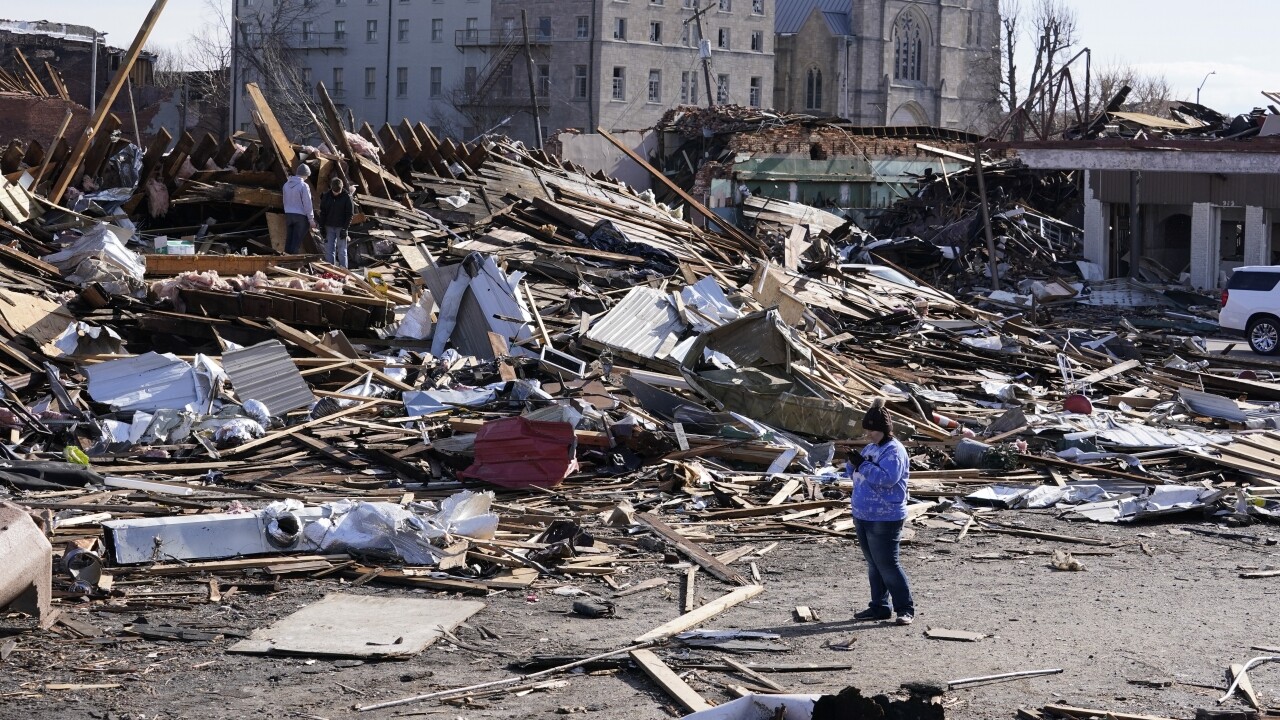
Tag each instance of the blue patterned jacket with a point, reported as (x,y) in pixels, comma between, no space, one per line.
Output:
(881,493)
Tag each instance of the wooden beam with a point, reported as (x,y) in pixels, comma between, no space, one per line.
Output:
(104,104)
(274,136)
(692,550)
(711,217)
(32,78)
(702,614)
(669,681)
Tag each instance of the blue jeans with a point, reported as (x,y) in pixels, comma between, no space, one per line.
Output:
(335,245)
(297,227)
(879,543)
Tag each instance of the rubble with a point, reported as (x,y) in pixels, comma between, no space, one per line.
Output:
(538,378)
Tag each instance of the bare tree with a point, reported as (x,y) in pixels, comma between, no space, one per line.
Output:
(1150,94)
(464,113)
(267,37)
(1051,27)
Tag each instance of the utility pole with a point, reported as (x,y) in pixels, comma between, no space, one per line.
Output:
(986,219)
(533,90)
(705,52)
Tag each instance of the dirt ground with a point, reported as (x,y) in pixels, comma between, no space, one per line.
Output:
(1135,632)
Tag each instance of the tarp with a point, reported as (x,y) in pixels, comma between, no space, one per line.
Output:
(519,453)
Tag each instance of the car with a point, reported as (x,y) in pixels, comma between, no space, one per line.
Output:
(1251,304)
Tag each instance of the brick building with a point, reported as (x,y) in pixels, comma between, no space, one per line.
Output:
(890,62)
(68,49)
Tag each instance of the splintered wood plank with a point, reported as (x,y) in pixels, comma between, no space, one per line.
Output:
(264,118)
(670,683)
(702,614)
(692,551)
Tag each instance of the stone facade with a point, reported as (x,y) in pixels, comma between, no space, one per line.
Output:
(385,60)
(890,62)
(622,64)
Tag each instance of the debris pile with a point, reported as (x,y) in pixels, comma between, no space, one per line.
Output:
(535,379)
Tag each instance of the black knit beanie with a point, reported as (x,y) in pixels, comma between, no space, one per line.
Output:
(877,419)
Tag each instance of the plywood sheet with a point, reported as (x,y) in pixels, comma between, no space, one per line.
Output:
(360,626)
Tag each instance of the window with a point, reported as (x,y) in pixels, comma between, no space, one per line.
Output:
(508,27)
(726,5)
(370,81)
(722,89)
(339,29)
(619,28)
(473,29)
(402,31)
(753,97)
(580,81)
(757,7)
(655,86)
(544,27)
(371,31)
(686,79)
(813,90)
(584,27)
(436,81)
(1253,280)
(308,82)
(757,41)
(619,83)
(437,29)
(506,81)
(308,30)
(655,32)
(469,78)
(908,49)
(543,85)
(337,82)
(402,82)
(689,4)
(722,38)
(657,2)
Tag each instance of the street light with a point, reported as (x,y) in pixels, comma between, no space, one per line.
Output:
(1202,82)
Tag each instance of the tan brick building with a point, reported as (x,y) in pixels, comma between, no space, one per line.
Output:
(889,62)
(619,64)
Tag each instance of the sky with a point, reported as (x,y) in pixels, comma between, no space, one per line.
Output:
(1181,39)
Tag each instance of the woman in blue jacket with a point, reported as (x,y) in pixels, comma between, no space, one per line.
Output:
(879,504)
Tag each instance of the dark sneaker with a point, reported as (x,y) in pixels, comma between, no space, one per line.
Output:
(905,618)
(869,614)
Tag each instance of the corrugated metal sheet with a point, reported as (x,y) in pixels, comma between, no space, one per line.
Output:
(641,324)
(1162,188)
(266,373)
(790,15)
(147,382)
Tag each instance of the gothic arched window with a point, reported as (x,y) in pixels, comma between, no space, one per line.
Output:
(908,49)
(813,90)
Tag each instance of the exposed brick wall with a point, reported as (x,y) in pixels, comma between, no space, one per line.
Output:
(26,118)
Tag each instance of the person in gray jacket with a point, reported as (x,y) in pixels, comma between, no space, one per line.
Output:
(299,217)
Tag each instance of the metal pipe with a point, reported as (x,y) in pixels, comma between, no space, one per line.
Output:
(93,75)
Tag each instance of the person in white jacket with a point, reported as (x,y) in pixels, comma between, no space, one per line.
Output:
(299,217)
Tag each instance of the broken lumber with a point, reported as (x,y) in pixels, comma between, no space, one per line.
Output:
(702,614)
